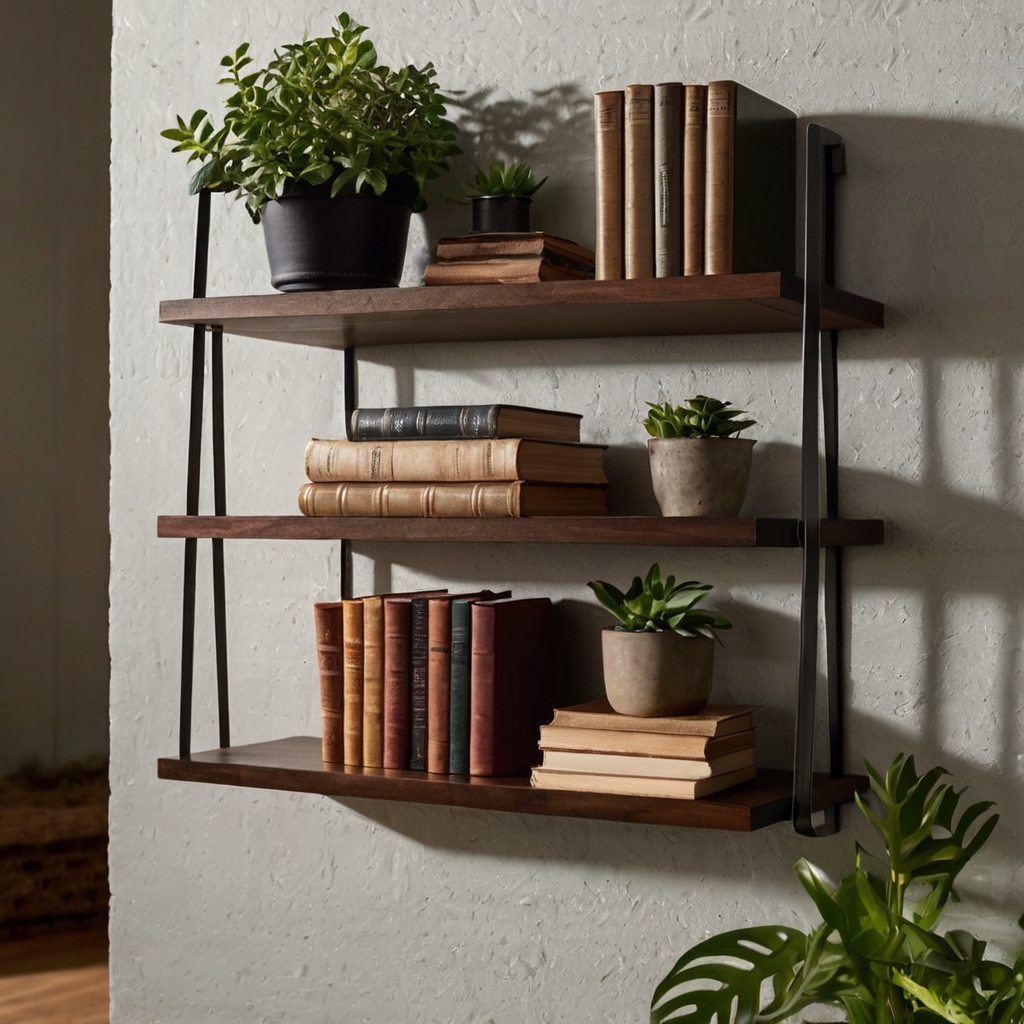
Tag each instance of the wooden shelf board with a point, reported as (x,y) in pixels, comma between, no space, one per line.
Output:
(734,531)
(295,765)
(721,304)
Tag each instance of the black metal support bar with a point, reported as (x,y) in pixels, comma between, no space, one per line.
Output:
(195,448)
(351,390)
(818,362)
(220,509)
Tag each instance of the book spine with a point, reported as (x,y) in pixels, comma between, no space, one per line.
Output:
(639,182)
(458,719)
(482,693)
(353,616)
(463,500)
(373,682)
(438,422)
(720,170)
(439,666)
(694,142)
(668,179)
(608,184)
(328,627)
(418,656)
(396,684)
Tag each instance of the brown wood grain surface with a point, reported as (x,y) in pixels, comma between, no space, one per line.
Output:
(294,764)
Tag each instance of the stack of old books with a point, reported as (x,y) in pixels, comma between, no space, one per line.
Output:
(590,748)
(494,461)
(511,258)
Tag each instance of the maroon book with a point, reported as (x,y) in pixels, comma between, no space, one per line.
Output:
(511,682)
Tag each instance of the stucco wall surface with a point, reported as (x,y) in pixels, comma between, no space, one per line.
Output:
(232,905)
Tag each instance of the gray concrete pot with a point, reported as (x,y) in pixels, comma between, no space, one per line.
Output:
(700,476)
(650,674)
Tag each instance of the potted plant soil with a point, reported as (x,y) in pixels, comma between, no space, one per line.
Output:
(331,150)
(699,467)
(659,660)
(501,197)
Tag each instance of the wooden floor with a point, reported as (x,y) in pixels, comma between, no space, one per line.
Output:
(55,979)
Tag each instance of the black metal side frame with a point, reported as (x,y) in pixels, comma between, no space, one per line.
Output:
(825,160)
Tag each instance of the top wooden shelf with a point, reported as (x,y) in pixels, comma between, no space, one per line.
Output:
(721,304)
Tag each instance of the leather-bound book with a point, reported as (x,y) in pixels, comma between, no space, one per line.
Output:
(639,190)
(750,206)
(458,718)
(668,179)
(608,184)
(418,656)
(449,422)
(695,126)
(511,675)
(329,630)
(373,682)
(352,612)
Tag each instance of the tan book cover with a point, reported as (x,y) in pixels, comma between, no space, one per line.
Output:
(504,270)
(651,744)
(373,681)
(718,208)
(668,179)
(621,785)
(644,766)
(500,500)
(470,459)
(608,184)
(714,720)
(639,177)
(352,612)
(329,629)
(513,244)
(695,126)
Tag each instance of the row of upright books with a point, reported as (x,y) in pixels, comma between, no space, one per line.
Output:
(590,748)
(431,681)
(508,258)
(693,179)
(495,461)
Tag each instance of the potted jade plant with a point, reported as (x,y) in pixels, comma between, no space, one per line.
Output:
(699,467)
(660,658)
(331,150)
(877,953)
(501,197)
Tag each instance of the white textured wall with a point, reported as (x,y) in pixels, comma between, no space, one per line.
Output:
(235,905)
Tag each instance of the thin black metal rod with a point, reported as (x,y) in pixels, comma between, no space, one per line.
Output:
(195,441)
(819,139)
(833,555)
(351,386)
(219,508)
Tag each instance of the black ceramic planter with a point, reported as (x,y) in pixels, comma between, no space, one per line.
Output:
(501,213)
(316,243)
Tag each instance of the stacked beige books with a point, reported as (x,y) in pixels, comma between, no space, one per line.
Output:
(508,258)
(590,748)
(490,478)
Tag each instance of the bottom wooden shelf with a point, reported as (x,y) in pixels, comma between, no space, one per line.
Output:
(294,764)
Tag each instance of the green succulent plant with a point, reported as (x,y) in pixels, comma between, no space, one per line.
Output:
(876,954)
(655,605)
(323,110)
(697,417)
(515,181)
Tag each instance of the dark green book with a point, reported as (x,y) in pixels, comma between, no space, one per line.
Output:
(458,733)
(451,422)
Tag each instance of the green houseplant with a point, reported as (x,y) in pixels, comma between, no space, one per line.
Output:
(699,466)
(659,660)
(325,137)
(877,953)
(501,196)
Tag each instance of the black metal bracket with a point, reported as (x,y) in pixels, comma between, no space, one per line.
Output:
(825,160)
(351,385)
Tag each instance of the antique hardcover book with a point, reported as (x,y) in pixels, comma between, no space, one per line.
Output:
(625,785)
(373,681)
(750,202)
(418,654)
(465,459)
(352,612)
(714,720)
(651,744)
(639,182)
(505,270)
(449,422)
(646,767)
(695,122)
(500,500)
(609,184)
(329,630)
(668,179)
(488,245)
(511,673)
(458,718)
